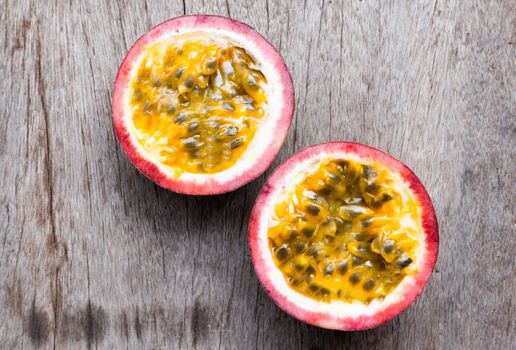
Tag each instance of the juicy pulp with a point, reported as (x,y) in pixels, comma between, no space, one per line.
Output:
(197,103)
(341,235)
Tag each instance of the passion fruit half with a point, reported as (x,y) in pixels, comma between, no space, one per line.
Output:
(343,236)
(202,104)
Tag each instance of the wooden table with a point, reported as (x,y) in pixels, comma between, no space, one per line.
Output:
(94,255)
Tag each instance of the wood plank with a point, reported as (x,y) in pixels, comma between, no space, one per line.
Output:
(93,255)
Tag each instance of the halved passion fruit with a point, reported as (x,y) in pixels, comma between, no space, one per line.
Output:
(343,236)
(202,104)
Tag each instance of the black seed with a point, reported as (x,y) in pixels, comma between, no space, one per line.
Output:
(228,106)
(334,179)
(328,270)
(360,236)
(299,267)
(372,188)
(179,72)
(313,287)
(189,82)
(292,233)
(310,270)
(308,231)
(388,246)
(300,247)
(324,292)
(193,126)
(342,267)
(354,200)
(235,143)
(354,278)
(368,285)
(367,222)
(195,154)
(313,252)
(342,225)
(181,118)
(368,172)
(283,252)
(404,262)
(376,204)
(311,195)
(326,190)
(211,63)
(231,130)
(342,164)
(329,220)
(329,239)
(357,261)
(386,197)
(183,100)
(192,143)
(339,293)
(313,209)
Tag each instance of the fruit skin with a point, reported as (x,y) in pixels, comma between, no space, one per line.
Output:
(364,318)
(205,184)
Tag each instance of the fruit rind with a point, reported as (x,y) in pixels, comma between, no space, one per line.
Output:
(257,159)
(339,315)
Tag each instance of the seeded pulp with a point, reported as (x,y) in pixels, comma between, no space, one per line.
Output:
(197,104)
(339,234)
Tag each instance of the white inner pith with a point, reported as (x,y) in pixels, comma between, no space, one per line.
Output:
(336,308)
(264,135)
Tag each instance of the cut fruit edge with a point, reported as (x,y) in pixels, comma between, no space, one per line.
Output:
(266,143)
(339,315)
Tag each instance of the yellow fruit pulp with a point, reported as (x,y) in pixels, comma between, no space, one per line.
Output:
(343,233)
(197,103)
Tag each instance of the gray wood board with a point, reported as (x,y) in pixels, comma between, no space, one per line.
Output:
(94,255)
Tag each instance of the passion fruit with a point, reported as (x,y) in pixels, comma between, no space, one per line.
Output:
(202,104)
(343,236)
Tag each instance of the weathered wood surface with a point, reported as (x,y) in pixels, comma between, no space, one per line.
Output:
(93,255)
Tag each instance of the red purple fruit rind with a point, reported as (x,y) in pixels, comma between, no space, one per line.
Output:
(327,319)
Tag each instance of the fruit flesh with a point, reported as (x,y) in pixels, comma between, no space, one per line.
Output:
(197,103)
(344,233)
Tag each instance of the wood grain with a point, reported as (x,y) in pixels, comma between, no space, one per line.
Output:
(93,255)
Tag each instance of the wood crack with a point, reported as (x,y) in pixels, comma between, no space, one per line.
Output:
(227,8)
(121,25)
(48,154)
(267,12)
(159,238)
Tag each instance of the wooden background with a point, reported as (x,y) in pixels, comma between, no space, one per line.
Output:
(93,255)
